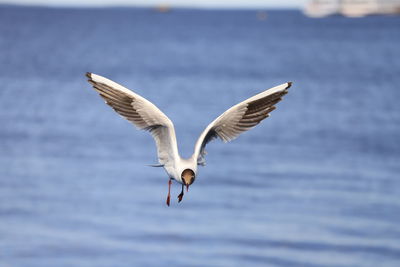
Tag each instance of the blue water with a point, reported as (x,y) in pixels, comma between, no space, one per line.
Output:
(316,184)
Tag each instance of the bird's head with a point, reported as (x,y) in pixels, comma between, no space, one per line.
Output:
(188,176)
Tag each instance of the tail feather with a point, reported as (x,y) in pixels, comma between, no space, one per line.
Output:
(155,165)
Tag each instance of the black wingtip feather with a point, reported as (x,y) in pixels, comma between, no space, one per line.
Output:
(89,75)
(289,85)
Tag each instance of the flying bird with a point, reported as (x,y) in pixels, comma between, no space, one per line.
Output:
(146,116)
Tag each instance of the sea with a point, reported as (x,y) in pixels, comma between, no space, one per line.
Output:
(316,184)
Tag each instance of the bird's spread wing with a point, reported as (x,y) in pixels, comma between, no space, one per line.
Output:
(141,112)
(240,118)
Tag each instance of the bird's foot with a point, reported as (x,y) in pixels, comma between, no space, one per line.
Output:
(169,192)
(180,196)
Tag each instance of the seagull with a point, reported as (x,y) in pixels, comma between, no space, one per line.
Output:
(146,116)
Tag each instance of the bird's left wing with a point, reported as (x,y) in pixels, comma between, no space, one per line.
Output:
(240,118)
(141,112)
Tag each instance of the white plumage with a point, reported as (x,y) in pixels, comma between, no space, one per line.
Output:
(146,116)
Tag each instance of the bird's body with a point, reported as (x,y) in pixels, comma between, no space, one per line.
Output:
(145,115)
(181,164)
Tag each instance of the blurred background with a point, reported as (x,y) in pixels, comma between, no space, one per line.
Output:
(316,184)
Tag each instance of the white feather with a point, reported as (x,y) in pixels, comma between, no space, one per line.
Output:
(233,122)
(143,114)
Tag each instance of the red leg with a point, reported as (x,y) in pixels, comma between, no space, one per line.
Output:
(169,192)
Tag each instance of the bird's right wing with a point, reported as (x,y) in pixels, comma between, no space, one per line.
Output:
(239,118)
(141,112)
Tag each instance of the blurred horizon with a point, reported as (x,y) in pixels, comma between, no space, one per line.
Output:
(241,4)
